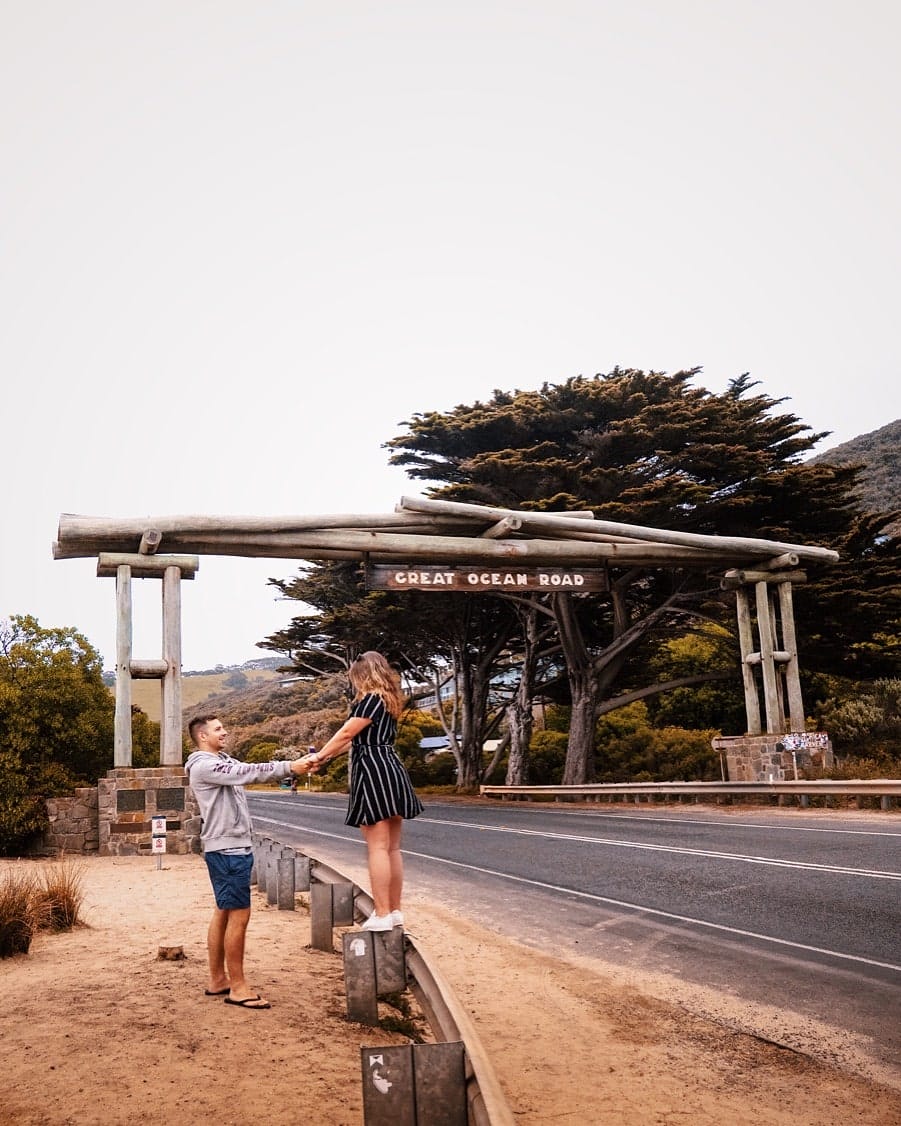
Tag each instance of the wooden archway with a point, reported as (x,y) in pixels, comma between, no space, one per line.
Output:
(424,532)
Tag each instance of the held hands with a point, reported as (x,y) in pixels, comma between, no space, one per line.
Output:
(309,763)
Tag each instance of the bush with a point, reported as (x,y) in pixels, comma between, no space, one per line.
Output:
(23,815)
(547,756)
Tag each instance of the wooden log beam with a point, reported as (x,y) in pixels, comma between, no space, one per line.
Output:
(148,669)
(150,541)
(145,566)
(737,577)
(503,528)
(531,520)
(406,547)
(80,527)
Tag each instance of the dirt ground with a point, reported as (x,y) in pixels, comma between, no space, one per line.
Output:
(95,1029)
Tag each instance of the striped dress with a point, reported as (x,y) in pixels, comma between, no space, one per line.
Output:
(379,784)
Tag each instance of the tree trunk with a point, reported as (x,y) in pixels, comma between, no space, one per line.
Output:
(579,768)
(519,725)
(519,710)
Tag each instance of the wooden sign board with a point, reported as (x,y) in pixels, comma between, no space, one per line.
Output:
(485,580)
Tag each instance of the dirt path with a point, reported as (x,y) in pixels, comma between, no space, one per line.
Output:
(96,1030)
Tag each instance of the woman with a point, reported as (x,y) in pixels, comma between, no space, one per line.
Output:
(381,794)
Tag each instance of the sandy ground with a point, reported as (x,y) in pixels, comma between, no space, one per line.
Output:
(95,1028)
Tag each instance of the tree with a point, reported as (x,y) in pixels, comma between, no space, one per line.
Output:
(54,706)
(642,448)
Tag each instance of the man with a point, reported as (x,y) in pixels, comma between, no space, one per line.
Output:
(218,782)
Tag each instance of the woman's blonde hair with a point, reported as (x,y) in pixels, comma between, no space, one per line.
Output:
(370,672)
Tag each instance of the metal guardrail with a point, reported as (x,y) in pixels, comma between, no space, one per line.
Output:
(448,1020)
(884,788)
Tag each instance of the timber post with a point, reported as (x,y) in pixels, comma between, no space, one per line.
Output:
(776,653)
(170,569)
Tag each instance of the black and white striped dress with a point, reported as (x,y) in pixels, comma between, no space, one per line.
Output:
(379,784)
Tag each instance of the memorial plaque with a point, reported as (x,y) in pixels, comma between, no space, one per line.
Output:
(172,797)
(130,800)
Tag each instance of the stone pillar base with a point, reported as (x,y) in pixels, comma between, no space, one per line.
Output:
(128,799)
(773,758)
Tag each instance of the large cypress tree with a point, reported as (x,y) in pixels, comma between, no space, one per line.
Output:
(650,448)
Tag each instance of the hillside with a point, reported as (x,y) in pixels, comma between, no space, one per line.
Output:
(196,688)
(265,710)
(880,453)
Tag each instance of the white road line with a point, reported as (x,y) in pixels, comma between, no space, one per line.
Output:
(618,903)
(710,853)
(784,826)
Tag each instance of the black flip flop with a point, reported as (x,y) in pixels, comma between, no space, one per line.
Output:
(216,992)
(249,1003)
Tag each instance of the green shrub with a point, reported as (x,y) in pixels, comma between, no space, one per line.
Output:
(23,815)
(672,754)
(547,756)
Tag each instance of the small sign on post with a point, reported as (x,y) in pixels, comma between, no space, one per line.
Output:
(158,838)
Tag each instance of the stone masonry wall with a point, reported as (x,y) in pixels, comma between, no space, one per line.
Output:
(770,758)
(73,823)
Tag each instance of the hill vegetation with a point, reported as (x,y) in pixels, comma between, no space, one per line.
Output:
(196,688)
(880,454)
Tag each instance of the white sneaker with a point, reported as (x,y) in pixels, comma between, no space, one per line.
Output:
(377,923)
(397,918)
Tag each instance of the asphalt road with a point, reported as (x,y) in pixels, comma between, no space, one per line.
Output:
(798,912)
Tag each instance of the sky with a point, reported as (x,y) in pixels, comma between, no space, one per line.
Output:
(242,243)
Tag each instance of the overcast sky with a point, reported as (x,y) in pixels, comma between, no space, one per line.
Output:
(241,243)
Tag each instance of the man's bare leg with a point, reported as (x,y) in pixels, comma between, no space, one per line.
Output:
(215,945)
(235,935)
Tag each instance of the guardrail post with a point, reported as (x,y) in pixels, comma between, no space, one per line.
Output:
(343,905)
(285,882)
(321,919)
(272,874)
(360,992)
(388,1098)
(390,963)
(302,873)
(439,1076)
(414,1085)
(885,802)
(259,858)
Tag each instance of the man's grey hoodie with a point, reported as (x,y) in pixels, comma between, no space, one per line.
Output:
(218,783)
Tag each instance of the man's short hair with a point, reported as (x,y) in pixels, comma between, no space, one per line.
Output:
(196,723)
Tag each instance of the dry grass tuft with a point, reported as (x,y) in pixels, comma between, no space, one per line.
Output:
(60,886)
(34,899)
(21,913)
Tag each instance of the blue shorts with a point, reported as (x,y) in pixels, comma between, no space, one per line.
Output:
(230,877)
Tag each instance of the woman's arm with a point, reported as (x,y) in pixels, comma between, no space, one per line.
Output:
(340,741)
